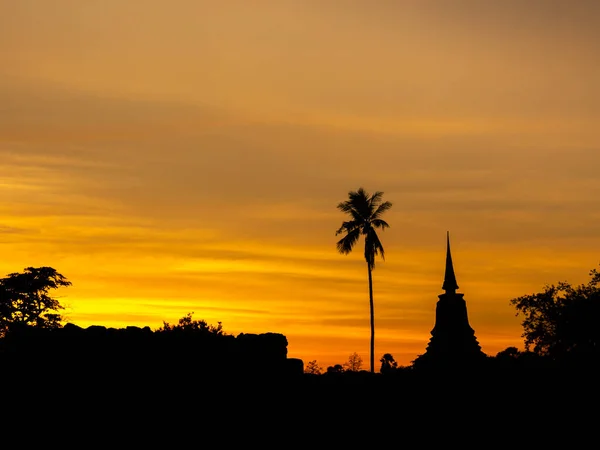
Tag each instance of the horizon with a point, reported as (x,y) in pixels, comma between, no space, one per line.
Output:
(188,156)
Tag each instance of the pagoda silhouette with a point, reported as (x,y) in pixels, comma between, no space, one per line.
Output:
(453,343)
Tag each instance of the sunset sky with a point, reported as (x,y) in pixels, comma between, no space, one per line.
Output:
(188,155)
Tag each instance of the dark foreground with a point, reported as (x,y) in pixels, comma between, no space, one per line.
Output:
(173,407)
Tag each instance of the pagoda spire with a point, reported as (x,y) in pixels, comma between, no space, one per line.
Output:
(453,344)
(449,285)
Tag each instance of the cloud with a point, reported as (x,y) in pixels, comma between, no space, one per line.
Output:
(7,229)
(235,177)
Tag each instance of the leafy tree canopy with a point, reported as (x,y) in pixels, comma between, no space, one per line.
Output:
(336,368)
(25,299)
(562,320)
(388,363)
(190,325)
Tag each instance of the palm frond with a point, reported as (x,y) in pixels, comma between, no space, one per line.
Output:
(346,244)
(373,248)
(348,226)
(375,199)
(381,209)
(377,246)
(379,223)
(352,210)
(345,206)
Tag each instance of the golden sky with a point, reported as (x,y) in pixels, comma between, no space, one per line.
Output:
(188,155)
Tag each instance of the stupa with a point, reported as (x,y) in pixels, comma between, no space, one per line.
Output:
(453,343)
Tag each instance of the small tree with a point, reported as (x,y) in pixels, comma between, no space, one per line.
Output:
(354,363)
(25,299)
(337,368)
(388,363)
(313,368)
(188,324)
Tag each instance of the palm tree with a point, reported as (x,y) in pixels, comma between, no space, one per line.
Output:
(365,217)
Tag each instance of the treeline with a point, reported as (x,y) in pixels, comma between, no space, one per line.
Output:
(191,348)
(560,330)
(35,339)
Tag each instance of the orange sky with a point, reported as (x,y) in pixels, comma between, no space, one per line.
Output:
(187,156)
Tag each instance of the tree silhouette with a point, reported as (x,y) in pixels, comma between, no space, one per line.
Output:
(354,363)
(562,320)
(312,367)
(25,299)
(188,324)
(365,212)
(388,363)
(336,368)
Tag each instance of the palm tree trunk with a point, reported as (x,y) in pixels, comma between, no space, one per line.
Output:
(372,320)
